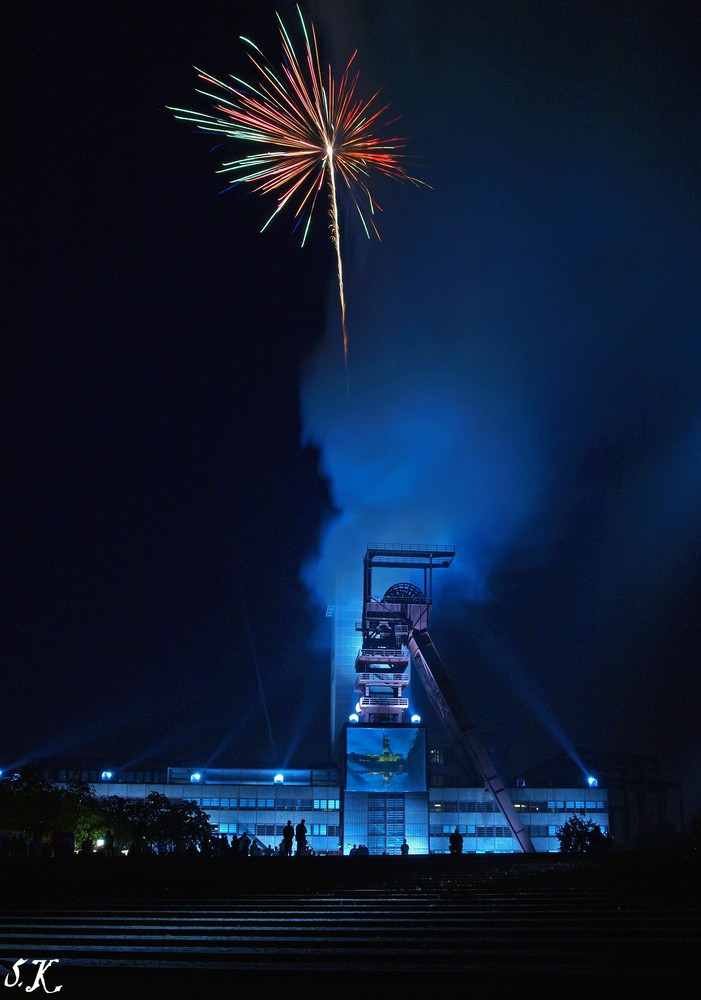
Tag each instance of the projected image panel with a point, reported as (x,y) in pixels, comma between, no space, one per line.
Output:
(385,759)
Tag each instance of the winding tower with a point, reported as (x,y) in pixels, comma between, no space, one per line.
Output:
(394,635)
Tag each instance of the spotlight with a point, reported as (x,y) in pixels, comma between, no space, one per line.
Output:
(416,719)
(353,717)
(593,782)
(106,776)
(195,777)
(279,778)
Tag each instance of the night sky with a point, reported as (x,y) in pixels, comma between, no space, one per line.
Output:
(190,472)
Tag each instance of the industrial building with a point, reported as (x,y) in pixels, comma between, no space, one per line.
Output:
(385,791)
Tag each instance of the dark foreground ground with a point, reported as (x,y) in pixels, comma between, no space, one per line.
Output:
(620,926)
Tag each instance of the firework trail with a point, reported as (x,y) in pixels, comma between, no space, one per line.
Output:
(309,130)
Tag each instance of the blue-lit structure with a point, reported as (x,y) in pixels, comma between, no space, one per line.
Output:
(250,800)
(394,630)
(389,785)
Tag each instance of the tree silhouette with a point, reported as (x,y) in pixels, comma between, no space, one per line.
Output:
(579,835)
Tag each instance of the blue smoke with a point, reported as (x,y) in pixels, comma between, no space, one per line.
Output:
(524,353)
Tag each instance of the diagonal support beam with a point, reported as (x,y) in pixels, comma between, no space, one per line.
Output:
(468,746)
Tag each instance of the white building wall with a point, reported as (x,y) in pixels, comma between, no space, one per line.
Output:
(484,829)
(264,810)
(260,810)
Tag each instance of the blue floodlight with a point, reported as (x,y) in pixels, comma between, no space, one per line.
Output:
(196,776)
(593,782)
(279,778)
(353,717)
(106,776)
(416,719)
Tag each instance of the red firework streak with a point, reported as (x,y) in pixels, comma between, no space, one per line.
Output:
(310,131)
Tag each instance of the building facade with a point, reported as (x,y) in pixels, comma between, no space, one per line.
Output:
(387,791)
(252,801)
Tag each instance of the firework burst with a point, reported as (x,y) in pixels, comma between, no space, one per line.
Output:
(311,132)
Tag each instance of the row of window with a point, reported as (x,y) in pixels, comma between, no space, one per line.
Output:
(392,843)
(552,806)
(380,829)
(470,830)
(124,777)
(280,805)
(577,805)
(378,800)
(275,829)
(385,816)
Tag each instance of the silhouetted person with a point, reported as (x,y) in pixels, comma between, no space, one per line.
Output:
(404,848)
(108,847)
(244,844)
(455,841)
(137,847)
(288,835)
(301,837)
